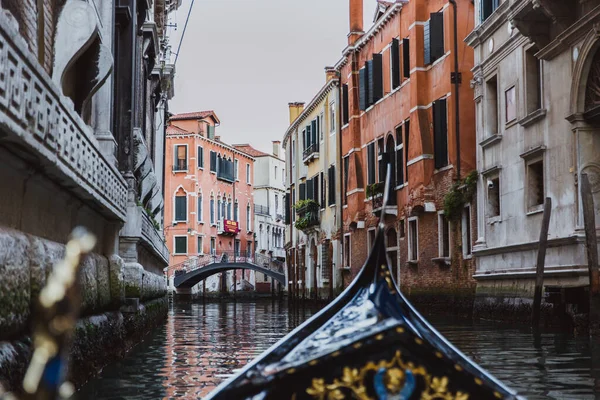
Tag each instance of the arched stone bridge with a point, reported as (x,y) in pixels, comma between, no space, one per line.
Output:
(196,270)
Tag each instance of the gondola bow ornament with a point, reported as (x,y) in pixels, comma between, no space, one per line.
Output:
(370,343)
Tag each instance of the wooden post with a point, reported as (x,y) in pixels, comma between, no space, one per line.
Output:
(591,244)
(541,258)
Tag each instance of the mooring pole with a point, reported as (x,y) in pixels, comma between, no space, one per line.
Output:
(591,244)
(541,258)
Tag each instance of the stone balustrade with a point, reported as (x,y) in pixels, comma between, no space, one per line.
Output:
(36,117)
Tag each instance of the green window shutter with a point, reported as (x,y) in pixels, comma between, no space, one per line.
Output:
(345,105)
(406,57)
(377,77)
(395,63)
(180,244)
(436,30)
(440,134)
(362,89)
(180,208)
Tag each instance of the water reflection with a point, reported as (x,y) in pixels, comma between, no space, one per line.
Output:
(201,344)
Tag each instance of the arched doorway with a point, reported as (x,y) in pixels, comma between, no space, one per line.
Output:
(391,247)
(585,117)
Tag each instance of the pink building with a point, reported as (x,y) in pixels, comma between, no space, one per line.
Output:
(208,192)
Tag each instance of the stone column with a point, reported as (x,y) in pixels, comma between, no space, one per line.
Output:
(102,103)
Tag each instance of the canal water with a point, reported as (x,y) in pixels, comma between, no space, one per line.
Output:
(202,344)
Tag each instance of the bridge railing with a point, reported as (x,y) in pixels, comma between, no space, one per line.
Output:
(226,257)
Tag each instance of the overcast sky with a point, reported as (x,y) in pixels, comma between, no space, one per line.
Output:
(247,59)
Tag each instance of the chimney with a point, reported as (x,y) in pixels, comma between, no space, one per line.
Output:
(295,110)
(356,21)
(276,144)
(330,73)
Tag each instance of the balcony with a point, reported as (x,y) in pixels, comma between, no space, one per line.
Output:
(308,215)
(225,170)
(261,210)
(180,166)
(279,217)
(227,227)
(375,193)
(311,152)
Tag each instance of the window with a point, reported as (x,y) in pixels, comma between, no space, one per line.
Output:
(321,126)
(466,232)
(212,210)
(535,185)
(395,64)
(363,90)
(347,239)
(493,196)
(487,8)
(345,105)
(371,163)
(276,204)
(413,240)
(236,170)
(402,228)
(211,132)
(382,161)
(275,172)
(213,161)
(180,244)
(331,185)
(288,209)
(200,156)
(399,156)
(283,176)
(200,216)
(511,104)
(346,168)
(491,94)
(406,57)
(180,208)
(248,173)
(533,80)
(213,245)
(236,211)
(236,247)
(332,117)
(248,226)
(440,133)
(433,38)
(200,245)
(180,158)
(229,209)
(322,201)
(443,236)
(406,141)
(370,238)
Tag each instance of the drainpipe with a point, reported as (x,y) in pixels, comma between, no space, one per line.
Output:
(341,175)
(456,95)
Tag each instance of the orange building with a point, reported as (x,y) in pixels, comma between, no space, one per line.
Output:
(208,192)
(401,105)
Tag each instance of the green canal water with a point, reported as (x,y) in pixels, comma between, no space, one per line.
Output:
(200,345)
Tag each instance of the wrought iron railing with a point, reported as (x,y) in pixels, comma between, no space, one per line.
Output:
(313,148)
(180,165)
(262,210)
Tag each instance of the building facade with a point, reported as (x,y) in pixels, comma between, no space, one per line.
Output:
(269,209)
(85,86)
(536,96)
(313,199)
(403,104)
(209,198)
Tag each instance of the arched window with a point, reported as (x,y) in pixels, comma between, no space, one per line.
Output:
(236,211)
(212,209)
(180,205)
(199,210)
(248,219)
(229,208)
(219,209)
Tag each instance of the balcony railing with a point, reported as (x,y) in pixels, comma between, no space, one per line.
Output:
(311,152)
(225,170)
(261,210)
(225,176)
(180,165)
(308,215)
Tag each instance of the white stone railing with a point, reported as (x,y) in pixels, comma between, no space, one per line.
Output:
(153,238)
(35,114)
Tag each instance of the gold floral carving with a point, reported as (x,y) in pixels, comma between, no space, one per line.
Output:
(353,380)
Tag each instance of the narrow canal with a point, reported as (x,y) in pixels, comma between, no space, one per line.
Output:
(201,344)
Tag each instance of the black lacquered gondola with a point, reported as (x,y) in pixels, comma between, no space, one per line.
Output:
(370,343)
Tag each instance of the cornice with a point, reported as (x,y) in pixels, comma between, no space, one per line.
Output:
(218,144)
(310,108)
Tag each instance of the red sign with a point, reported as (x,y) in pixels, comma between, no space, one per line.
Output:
(230,226)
